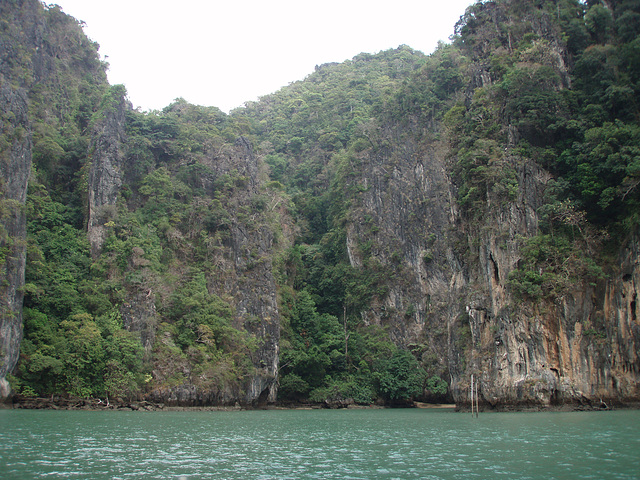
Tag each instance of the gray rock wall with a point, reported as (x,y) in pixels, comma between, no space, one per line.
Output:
(449,293)
(248,279)
(106,171)
(242,275)
(15,165)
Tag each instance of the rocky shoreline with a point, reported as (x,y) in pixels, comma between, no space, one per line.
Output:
(97,404)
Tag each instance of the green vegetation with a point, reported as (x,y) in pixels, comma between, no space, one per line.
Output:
(199,223)
(400,377)
(574,113)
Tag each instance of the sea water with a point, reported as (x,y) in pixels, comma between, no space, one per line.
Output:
(319,444)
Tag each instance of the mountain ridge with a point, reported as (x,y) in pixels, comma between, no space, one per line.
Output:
(379,231)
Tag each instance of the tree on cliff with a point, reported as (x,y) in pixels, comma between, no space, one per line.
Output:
(318,250)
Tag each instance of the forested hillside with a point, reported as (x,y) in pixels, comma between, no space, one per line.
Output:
(378,231)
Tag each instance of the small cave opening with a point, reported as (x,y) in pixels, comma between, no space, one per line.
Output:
(264,397)
(496,273)
(632,307)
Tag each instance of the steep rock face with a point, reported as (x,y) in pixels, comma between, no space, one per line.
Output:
(15,165)
(105,174)
(578,346)
(41,50)
(404,204)
(254,292)
(242,277)
(581,349)
(503,344)
(448,294)
(441,275)
(405,209)
(251,282)
(578,349)
(620,309)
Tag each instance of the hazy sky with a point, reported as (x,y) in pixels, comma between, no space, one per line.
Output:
(224,53)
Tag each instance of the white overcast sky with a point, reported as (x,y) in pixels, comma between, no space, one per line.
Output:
(225,52)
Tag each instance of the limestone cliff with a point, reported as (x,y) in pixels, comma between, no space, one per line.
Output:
(15,165)
(579,349)
(253,286)
(440,198)
(242,258)
(105,173)
(40,50)
(451,246)
(448,294)
(405,206)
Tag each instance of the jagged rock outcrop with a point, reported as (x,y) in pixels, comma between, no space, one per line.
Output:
(41,49)
(449,291)
(250,282)
(15,165)
(580,349)
(243,277)
(621,311)
(173,204)
(405,205)
(106,171)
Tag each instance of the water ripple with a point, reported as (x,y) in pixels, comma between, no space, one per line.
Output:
(381,444)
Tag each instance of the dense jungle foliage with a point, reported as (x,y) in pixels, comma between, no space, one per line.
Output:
(556,82)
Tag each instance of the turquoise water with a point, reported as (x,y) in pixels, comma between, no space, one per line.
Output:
(319,444)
